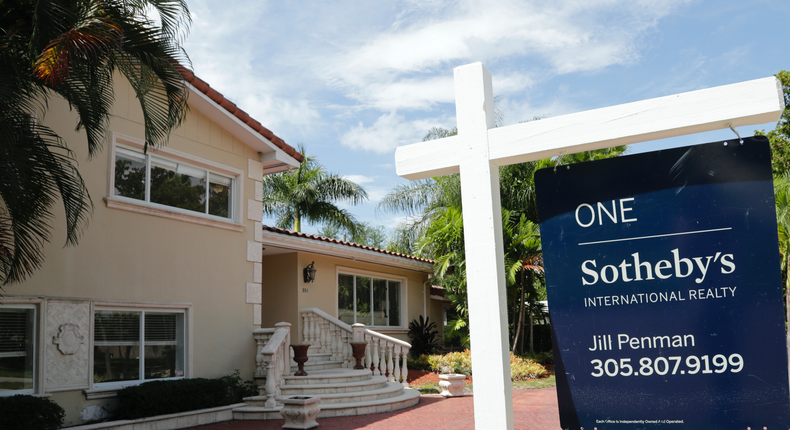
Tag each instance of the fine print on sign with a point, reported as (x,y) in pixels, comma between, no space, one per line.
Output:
(665,291)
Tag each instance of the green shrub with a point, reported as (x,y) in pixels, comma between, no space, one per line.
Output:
(543,358)
(461,362)
(30,413)
(170,397)
(419,363)
(239,389)
(525,368)
(453,362)
(423,336)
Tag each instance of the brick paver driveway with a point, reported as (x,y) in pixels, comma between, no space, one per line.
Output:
(532,409)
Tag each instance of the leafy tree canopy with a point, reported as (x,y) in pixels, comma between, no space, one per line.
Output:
(366,234)
(309,193)
(72,49)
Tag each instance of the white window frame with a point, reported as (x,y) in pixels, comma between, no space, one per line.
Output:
(110,389)
(234,223)
(386,276)
(38,327)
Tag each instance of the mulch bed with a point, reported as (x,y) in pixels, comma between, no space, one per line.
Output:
(418,377)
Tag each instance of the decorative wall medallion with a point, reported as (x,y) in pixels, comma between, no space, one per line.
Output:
(68,339)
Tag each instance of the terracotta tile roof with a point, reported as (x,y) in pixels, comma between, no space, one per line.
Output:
(244,117)
(342,242)
(437,290)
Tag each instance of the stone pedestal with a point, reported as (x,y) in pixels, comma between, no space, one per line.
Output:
(452,384)
(300,412)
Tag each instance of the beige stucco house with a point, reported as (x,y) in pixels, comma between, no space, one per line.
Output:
(350,281)
(175,270)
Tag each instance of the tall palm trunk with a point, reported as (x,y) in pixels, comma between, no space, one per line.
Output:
(297,220)
(520,323)
(531,332)
(531,315)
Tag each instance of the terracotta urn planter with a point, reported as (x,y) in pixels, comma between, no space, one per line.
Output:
(452,384)
(300,357)
(358,351)
(300,412)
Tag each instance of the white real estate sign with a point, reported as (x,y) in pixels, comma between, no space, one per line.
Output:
(480,148)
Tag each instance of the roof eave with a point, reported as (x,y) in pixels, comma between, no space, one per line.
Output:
(273,158)
(344,251)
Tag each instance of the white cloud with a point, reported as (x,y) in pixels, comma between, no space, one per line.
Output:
(308,70)
(388,132)
(396,69)
(358,179)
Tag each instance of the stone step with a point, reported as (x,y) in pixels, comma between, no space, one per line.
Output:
(329,376)
(257,413)
(408,397)
(373,383)
(390,390)
(320,365)
(258,401)
(316,356)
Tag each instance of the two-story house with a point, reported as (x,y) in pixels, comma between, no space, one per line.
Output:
(175,269)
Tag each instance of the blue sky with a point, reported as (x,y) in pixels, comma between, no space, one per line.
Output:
(353,80)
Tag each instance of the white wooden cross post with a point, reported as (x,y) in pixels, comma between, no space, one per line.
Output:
(480,148)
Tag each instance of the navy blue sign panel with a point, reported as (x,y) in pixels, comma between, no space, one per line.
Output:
(665,290)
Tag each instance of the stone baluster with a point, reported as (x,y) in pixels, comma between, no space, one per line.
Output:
(313,329)
(369,352)
(333,330)
(348,357)
(384,370)
(305,327)
(316,345)
(271,388)
(259,369)
(376,361)
(405,369)
(397,350)
(390,367)
(325,336)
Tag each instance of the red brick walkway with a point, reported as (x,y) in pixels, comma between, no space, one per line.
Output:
(532,409)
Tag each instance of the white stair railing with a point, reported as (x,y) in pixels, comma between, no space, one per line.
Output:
(273,360)
(384,355)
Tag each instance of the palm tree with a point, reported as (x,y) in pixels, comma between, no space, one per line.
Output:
(309,192)
(523,259)
(72,49)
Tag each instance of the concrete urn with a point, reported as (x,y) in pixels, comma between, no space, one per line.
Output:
(300,412)
(452,384)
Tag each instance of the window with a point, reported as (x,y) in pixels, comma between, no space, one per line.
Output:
(132,345)
(169,182)
(17,349)
(369,300)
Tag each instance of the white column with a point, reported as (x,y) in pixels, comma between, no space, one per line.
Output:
(485,265)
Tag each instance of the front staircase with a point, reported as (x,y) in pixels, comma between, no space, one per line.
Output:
(344,391)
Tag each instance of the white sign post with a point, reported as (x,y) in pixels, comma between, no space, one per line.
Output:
(480,148)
